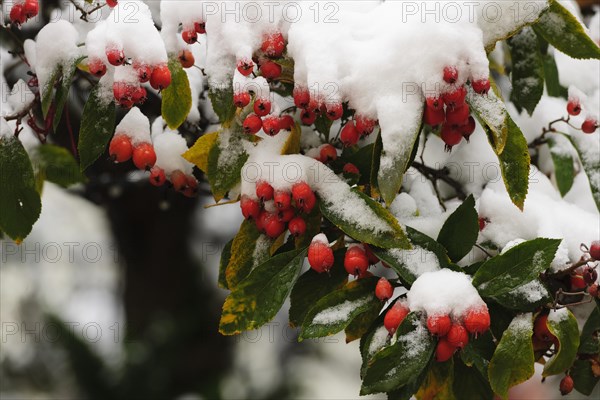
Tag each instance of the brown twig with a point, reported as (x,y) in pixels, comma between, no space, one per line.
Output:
(540,140)
(85,13)
(443,175)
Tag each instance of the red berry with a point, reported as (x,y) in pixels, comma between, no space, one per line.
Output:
(384,289)
(274,227)
(309,204)
(439,324)
(477,320)
(264,191)
(458,115)
(434,117)
(97,68)
(356,261)
(351,169)
(112,3)
(17,16)
(334,111)
(161,77)
(593,290)
(308,117)
(270,70)
(245,66)
(589,125)
(301,97)
(286,122)
(297,226)
(482,223)
(467,129)
(273,44)
(191,189)
(444,350)
(541,331)
(458,336)
(327,153)
(434,103)
(595,250)
(364,125)
(262,107)
(200,27)
(349,135)
(241,100)
(178,180)
(450,74)
(186,58)
(577,282)
(573,107)
(320,256)
(190,37)
(122,91)
(139,95)
(144,156)
(456,97)
(261,220)
(590,275)
(252,124)
(115,56)
(120,148)
(394,317)
(451,136)
(250,208)
(143,72)
(270,125)
(301,192)
(566,385)
(157,176)
(481,86)
(283,200)
(30,8)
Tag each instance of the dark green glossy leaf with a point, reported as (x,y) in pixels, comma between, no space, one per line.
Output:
(177,97)
(526,297)
(47,91)
(590,334)
(57,165)
(221,98)
(62,91)
(563,325)
(527,73)
(459,233)
(564,172)
(97,127)
(361,323)
(469,383)
(586,149)
(244,254)
(583,378)
(225,163)
(515,164)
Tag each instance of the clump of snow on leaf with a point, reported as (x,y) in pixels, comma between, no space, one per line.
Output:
(340,312)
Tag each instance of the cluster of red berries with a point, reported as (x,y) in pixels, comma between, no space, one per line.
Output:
(272,47)
(190,34)
(274,211)
(312,107)
(451,111)
(357,260)
(262,117)
(585,277)
(355,129)
(574,108)
(21,12)
(185,184)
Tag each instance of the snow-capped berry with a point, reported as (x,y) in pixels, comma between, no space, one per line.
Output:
(274,227)
(139,95)
(112,3)
(364,125)
(573,107)
(356,261)
(273,44)
(439,324)
(577,282)
(245,66)
(262,107)
(477,320)
(178,180)
(264,191)
(450,74)
(286,122)
(120,148)
(308,117)
(186,58)
(320,255)
(97,68)
(541,331)
(161,77)
(122,91)
(144,71)
(200,27)
(589,125)
(350,169)
(189,36)
(327,153)
(451,135)
(270,70)
(595,250)
(144,156)
(433,117)
(384,289)
(17,16)
(250,207)
(270,125)
(444,350)
(467,129)
(283,200)
(252,124)
(590,275)
(566,385)
(394,317)
(191,188)
(297,226)
(115,56)
(434,103)
(241,99)
(481,86)
(301,97)
(30,8)
(334,111)
(349,135)
(456,97)
(157,176)
(458,336)
(458,115)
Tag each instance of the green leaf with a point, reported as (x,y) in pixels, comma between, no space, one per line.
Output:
(177,97)
(438,383)
(563,31)
(376,338)
(586,146)
(20,203)
(336,310)
(393,237)
(312,286)
(563,325)
(398,365)
(260,296)
(248,249)
(470,383)
(223,263)
(97,126)
(62,92)
(563,166)
(397,160)
(323,125)
(226,159)
(527,73)
(515,164)
(221,98)
(583,378)
(57,165)
(491,113)
(363,159)
(518,266)
(513,359)
(362,322)
(553,86)
(526,297)
(590,340)
(47,92)
(459,233)
(426,255)
(478,353)
(376,160)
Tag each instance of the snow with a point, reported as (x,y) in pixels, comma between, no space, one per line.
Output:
(557,316)
(444,292)
(169,146)
(532,292)
(340,312)
(136,126)
(415,341)
(320,238)
(417,260)
(378,340)
(5,131)
(19,99)
(521,323)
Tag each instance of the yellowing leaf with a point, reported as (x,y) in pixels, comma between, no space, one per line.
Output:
(198,153)
(292,144)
